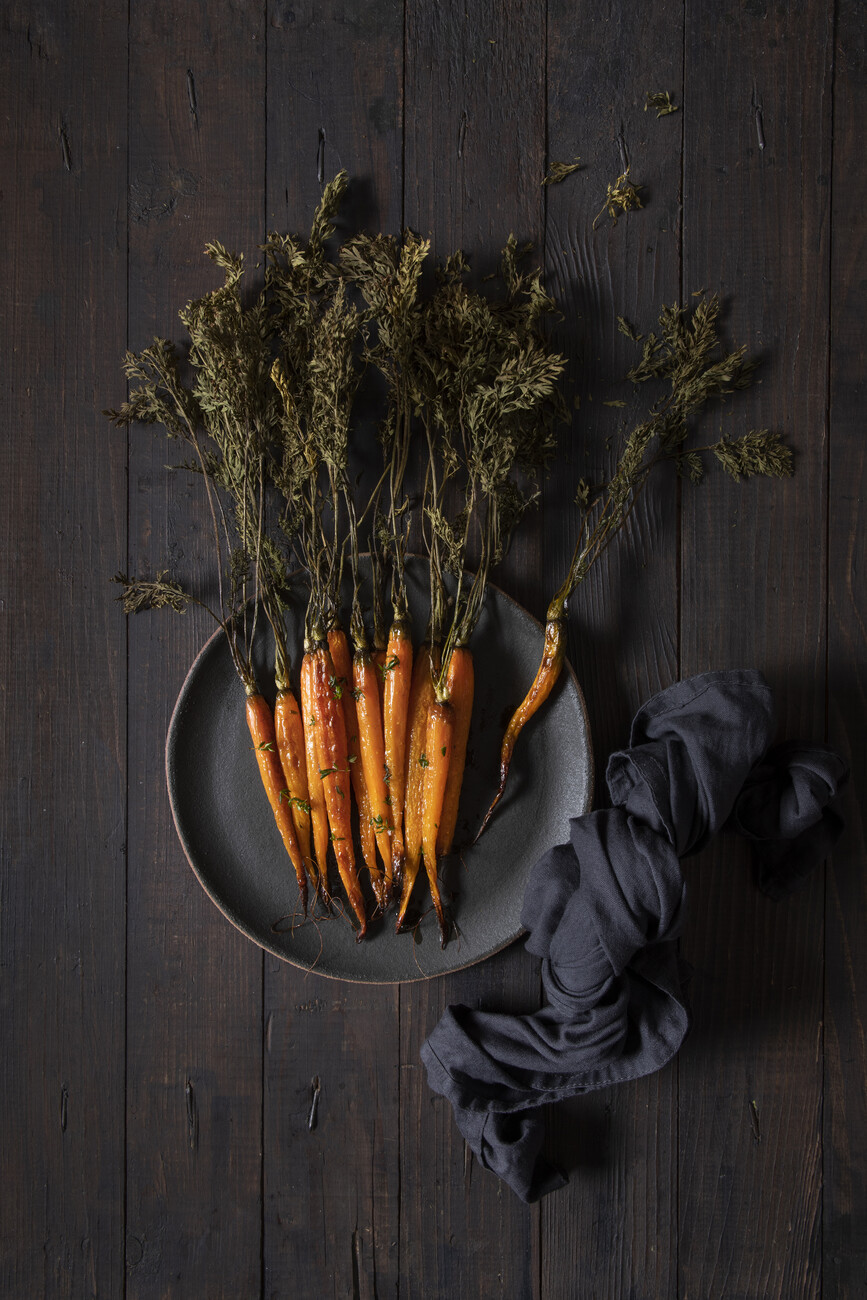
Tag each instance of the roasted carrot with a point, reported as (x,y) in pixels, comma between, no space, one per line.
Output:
(290,746)
(460,685)
(315,793)
(372,743)
(339,648)
(421,696)
(398,683)
(260,721)
(331,754)
(439,743)
(553,654)
(379,662)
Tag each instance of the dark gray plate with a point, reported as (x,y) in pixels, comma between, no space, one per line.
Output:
(228,833)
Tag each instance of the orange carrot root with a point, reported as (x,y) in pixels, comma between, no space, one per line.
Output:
(420,699)
(339,648)
(290,746)
(398,684)
(315,792)
(331,754)
(438,751)
(367,703)
(260,721)
(460,686)
(553,654)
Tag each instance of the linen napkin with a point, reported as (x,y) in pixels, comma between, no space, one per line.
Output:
(604,911)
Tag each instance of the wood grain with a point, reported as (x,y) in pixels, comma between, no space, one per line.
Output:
(194,1030)
(63,674)
(331,1174)
(845,1077)
(612,1231)
(756,229)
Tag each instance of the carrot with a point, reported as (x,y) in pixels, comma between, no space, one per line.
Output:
(339,648)
(290,746)
(260,721)
(460,685)
(553,654)
(398,683)
(331,754)
(364,676)
(439,744)
(379,662)
(421,696)
(315,793)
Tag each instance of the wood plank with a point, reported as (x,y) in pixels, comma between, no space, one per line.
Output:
(613,1231)
(757,159)
(63,673)
(845,1112)
(474,149)
(331,1185)
(197,165)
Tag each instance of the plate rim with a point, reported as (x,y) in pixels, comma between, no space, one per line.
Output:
(586,801)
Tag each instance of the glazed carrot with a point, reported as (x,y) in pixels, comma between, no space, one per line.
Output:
(315,793)
(290,746)
(379,662)
(439,744)
(398,683)
(331,754)
(372,743)
(460,685)
(553,654)
(339,648)
(421,696)
(260,721)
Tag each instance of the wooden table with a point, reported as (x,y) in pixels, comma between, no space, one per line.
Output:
(157,1070)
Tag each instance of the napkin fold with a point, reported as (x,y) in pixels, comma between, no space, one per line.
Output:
(604,911)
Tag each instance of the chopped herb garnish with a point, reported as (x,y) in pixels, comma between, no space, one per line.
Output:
(622,197)
(661,101)
(558,171)
(392,663)
(337,684)
(266,744)
(444,751)
(423,760)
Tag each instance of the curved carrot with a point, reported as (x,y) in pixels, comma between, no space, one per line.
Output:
(315,793)
(460,686)
(421,696)
(398,683)
(260,721)
(439,744)
(331,754)
(290,746)
(364,676)
(339,648)
(553,654)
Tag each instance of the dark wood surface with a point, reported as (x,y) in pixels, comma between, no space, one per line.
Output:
(158,1071)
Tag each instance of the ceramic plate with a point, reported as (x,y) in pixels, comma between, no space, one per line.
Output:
(229,836)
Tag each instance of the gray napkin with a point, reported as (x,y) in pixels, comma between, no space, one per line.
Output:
(603,912)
